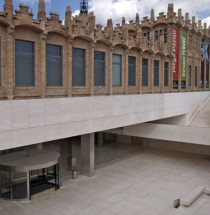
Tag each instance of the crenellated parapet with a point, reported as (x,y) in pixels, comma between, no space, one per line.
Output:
(131,33)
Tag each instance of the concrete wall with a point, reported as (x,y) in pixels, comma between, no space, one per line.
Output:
(26,122)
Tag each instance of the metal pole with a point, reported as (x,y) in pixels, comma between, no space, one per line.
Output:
(55,175)
(29,185)
(11,185)
(59,174)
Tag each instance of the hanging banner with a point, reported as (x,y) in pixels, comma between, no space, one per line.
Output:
(184,50)
(176,56)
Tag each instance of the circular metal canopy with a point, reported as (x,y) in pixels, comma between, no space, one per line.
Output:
(29,160)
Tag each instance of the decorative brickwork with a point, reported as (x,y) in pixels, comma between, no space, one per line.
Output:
(151,39)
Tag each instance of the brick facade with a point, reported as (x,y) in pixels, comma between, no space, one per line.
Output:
(126,39)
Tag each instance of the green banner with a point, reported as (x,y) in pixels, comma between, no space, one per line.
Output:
(184,52)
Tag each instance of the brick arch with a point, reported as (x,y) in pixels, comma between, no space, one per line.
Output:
(84,37)
(31,27)
(104,41)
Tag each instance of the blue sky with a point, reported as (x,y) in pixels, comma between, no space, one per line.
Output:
(58,6)
(116,9)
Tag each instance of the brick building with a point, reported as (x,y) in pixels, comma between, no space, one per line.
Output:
(54,77)
(45,58)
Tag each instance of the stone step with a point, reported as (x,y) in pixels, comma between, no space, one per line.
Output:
(189,198)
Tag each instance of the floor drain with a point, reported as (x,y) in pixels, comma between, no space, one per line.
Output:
(177,203)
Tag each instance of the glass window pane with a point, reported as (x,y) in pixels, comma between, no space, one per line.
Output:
(116,70)
(99,68)
(24,63)
(196,76)
(78,67)
(144,72)
(131,71)
(189,75)
(54,65)
(116,59)
(156,73)
(166,75)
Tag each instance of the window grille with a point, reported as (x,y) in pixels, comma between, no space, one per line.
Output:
(54,65)
(79,67)
(131,71)
(156,73)
(196,76)
(24,63)
(116,70)
(166,75)
(165,35)
(189,75)
(99,68)
(145,72)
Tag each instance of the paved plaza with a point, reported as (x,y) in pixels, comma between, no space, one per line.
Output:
(144,183)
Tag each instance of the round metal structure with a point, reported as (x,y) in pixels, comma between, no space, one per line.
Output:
(26,173)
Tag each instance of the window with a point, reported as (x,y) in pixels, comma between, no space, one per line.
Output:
(99,68)
(146,35)
(24,63)
(156,35)
(196,76)
(165,35)
(116,70)
(189,75)
(131,71)
(79,67)
(156,73)
(166,66)
(145,72)
(190,41)
(160,32)
(54,65)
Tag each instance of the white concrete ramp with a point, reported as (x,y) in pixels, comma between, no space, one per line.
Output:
(194,135)
(202,119)
(190,197)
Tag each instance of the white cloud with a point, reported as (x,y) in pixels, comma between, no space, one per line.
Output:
(76,13)
(32,2)
(206,20)
(116,9)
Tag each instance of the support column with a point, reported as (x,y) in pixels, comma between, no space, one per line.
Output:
(161,75)
(87,155)
(140,72)
(151,74)
(70,63)
(10,80)
(125,72)
(199,67)
(110,52)
(29,185)
(91,67)
(43,65)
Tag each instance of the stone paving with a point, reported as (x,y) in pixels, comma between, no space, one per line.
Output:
(144,183)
